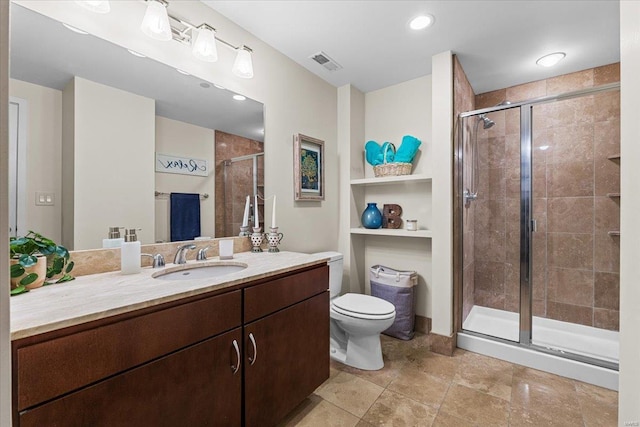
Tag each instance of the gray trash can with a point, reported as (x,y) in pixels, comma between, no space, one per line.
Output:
(397,287)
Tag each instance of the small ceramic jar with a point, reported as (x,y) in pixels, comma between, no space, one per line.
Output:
(411,225)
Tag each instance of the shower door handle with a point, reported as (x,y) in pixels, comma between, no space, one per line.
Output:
(534,226)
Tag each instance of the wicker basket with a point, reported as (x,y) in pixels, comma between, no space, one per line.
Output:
(393,168)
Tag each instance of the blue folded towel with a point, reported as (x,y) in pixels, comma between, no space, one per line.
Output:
(408,149)
(185,216)
(372,150)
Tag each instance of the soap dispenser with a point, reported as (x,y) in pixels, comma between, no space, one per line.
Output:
(130,253)
(114,240)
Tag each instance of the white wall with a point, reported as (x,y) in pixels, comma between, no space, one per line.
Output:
(442,278)
(629,387)
(114,179)
(44,155)
(350,138)
(391,113)
(5,343)
(296,101)
(182,139)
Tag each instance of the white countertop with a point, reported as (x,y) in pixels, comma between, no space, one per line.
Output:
(102,295)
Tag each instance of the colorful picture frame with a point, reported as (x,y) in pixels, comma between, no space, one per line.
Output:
(308,167)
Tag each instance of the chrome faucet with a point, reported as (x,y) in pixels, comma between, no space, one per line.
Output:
(202,253)
(158,260)
(181,254)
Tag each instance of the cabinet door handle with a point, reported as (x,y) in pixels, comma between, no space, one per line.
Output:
(234,368)
(252,358)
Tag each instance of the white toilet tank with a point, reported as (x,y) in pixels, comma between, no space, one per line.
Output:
(336,266)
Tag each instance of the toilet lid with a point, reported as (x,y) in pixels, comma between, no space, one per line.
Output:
(363,304)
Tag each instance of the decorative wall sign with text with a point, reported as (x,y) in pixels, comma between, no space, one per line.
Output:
(181,165)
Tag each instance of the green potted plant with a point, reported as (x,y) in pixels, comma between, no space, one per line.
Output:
(34,259)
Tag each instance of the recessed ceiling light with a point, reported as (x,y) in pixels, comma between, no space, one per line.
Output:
(551,59)
(134,53)
(421,22)
(239,97)
(74,29)
(182,72)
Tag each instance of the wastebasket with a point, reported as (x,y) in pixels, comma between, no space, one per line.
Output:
(397,287)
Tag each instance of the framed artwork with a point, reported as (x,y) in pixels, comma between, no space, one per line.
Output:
(308,167)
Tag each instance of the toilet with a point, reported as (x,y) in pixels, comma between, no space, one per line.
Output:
(356,322)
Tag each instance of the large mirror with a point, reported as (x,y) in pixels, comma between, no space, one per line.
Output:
(102,138)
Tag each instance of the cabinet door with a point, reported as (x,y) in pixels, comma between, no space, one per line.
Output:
(195,386)
(289,361)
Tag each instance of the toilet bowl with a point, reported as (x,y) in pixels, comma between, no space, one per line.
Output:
(356,322)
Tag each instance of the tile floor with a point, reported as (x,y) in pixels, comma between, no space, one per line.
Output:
(420,388)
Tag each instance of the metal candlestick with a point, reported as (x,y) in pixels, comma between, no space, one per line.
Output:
(244,231)
(256,239)
(274,238)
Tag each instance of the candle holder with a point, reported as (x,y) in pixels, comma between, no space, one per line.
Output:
(274,238)
(256,239)
(244,231)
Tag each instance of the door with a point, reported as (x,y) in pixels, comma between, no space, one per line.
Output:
(286,359)
(200,385)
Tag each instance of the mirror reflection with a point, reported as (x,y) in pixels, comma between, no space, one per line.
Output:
(101,138)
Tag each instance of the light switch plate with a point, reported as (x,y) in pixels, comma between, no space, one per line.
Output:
(44,198)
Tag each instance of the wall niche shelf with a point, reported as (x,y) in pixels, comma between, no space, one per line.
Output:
(614,157)
(613,195)
(425,234)
(613,233)
(391,180)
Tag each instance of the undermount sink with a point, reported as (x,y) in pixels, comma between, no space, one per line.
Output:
(195,272)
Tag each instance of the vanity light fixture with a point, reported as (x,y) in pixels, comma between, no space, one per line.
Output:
(159,24)
(74,29)
(551,59)
(243,66)
(239,97)
(155,23)
(97,6)
(421,22)
(204,45)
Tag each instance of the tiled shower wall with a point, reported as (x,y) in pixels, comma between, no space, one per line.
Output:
(239,181)
(464,100)
(576,202)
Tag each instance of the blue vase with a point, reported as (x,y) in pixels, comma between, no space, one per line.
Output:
(371,217)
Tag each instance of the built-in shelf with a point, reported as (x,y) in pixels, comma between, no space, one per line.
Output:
(391,180)
(612,195)
(613,233)
(425,234)
(614,157)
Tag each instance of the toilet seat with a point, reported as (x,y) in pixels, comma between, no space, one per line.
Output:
(363,307)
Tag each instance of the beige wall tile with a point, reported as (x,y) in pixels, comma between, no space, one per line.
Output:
(606,74)
(527,91)
(570,82)
(571,286)
(570,214)
(607,290)
(568,250)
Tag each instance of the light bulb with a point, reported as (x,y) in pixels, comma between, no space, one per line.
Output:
(155,23)
(242,66)
(204,45)
(97,6)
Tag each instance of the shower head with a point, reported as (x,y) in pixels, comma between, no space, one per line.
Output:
(486,122)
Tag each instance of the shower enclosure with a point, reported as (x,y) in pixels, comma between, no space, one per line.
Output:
(538,201)
(242,176)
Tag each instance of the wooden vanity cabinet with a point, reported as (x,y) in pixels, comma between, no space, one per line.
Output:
(184,363)
(286,341)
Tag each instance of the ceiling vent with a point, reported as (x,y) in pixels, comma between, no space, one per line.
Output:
(324,60)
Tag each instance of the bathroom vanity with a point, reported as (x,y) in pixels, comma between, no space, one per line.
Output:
(240,351)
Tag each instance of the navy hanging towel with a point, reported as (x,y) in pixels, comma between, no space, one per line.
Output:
(185,216)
